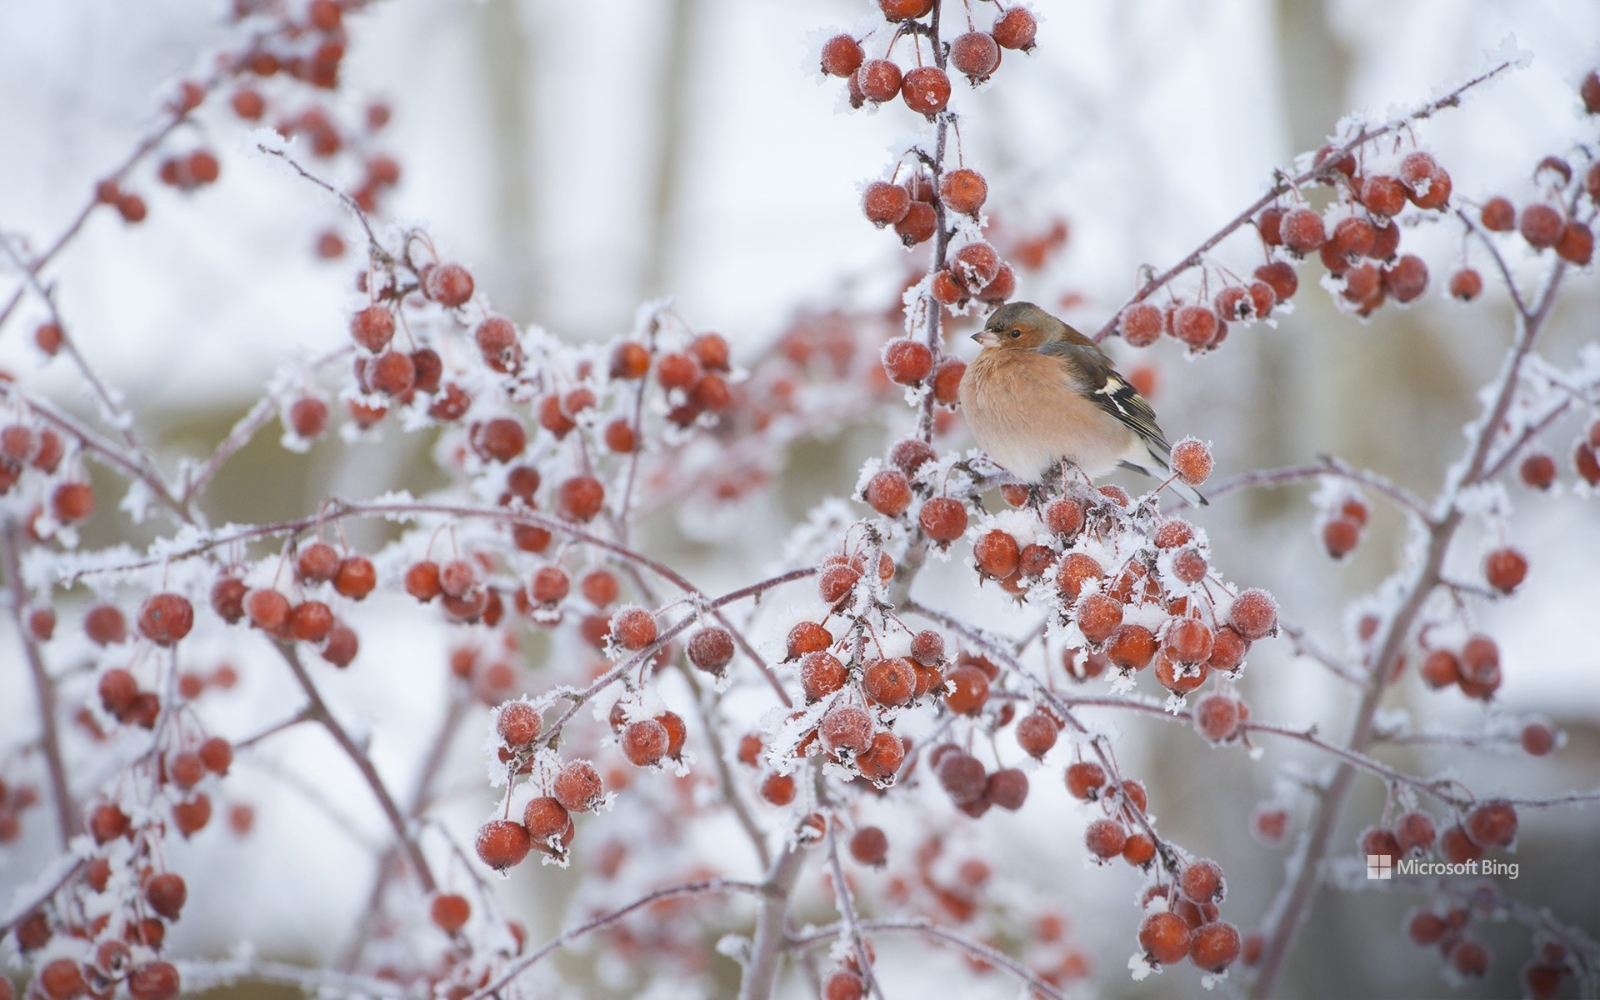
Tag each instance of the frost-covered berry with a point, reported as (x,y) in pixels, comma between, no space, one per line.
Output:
(633,628)
(1215,946)
(1195,325)
(1383,195)
(1131,647)
(1140,324)
(1537,739)
(580,498)
(1098,617)
(845,728)
(1303,231)
(1105,838)
(976,54)
(1036,733)
(1015,29)
(372,328)
(841,56)
(1191,460)
(926,90)
(1064,517)
(885,204)
(821,674)
(1414,833)
(1216,717)
(996,554)
(943,519)
(962,776)
(711,649)
(907,361)
(1165,938)
(1340,536)
(1493,824)
(879,80)
(644,742)
(1202,882)
(976,264)
(967,690)
(449,285)
(963,190)
(1254,614)
(1541,226)
(1085,779)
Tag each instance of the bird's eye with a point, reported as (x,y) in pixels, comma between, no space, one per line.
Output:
(1015,334)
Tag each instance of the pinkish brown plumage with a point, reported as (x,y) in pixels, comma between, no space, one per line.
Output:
(1041,393)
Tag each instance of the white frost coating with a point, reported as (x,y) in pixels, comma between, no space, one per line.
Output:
(1139,967)
(136,502)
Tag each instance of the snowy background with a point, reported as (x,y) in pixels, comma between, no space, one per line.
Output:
(583,158)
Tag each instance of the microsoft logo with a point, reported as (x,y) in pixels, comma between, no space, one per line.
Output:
(1379,866)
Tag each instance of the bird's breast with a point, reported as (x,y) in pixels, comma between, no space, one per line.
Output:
(1026,413)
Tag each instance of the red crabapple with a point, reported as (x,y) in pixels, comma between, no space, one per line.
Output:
(1015,29)
(1140,324)
(1303,231)
(449,285)
(907,361)
(1498,215)
(1165,938)
(964,190)
(943,519)
(1542,226)
(1105,838)
(975,53)
(1505,569)
(1466,284)
(885,204)
(879,80)
(841,56)
(1191,460)
(926,90)
(919,224)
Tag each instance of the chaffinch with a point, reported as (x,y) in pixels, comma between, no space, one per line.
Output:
(1041,393)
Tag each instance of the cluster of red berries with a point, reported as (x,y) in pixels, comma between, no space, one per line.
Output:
(1182,921)
(1474,667)
(24,447)
(1543,225)
(1343,525)
(564,788)
(1445,928)
(925,89)
(1538,469)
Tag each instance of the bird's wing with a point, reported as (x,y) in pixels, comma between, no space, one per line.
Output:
(1111,392)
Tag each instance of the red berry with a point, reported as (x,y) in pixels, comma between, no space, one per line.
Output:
(578,787)
(1340,536)
(1466,284)
(1191,460)
(907,361)
(72,502)
(502,844)
(372,328)
(216,754)
(869,846)
(518,724)
(890,682)
(968,690)
(904,10)
(1064,517)
(778,789)
(889,493)
(1498,215)
(1537,739)
(450,912)
(1576,245)
(976,264)
(1493,824)
(926,90)
(1383,195)
(1165,938)
(1195,325)
(1085,779)
(1015,29)
(975,53)
(644,742)
(963,190)
(166,894)
(1202,882)
(997,554)
(1303,232)
(1216,717)
(1215,946)
(1414,832)
(633,628)
(546,819)
(919,224)
(879,80)
(1098,617)
(1131,647)
(943,519)
(166,618)
(105,625)
(711,649)
(1542,226)
(1105,838)
(841,55)
(845,728)
(154,980)
(1505,569)
(807,637)
(1037,733)
(1407,279)
(885,204)
(356,577)
(580,498)
(1281,278)
(962,776)
(1588,466)
(449,285)
(1254,614)
(1140,324)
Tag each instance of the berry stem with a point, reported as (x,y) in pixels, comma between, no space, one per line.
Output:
(397,821)
(704,887)
(44,688)
(849,919)
(934,932)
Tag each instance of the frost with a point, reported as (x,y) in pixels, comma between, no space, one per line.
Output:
(1140,967)
(1509,53)
(136,502)
(735,946)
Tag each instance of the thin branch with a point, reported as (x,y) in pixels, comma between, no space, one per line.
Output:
(44,689)
(704,887)
(23,911)
(1303,645)
(928,929)
(208,975)
(304,715)
(1325,466)
(358,757)
(845,903)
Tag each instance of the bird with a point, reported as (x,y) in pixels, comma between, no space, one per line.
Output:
(1041,394)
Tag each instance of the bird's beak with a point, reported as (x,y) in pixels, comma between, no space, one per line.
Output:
(986,338)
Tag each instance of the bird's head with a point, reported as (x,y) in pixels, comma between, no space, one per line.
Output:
(1019,326)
